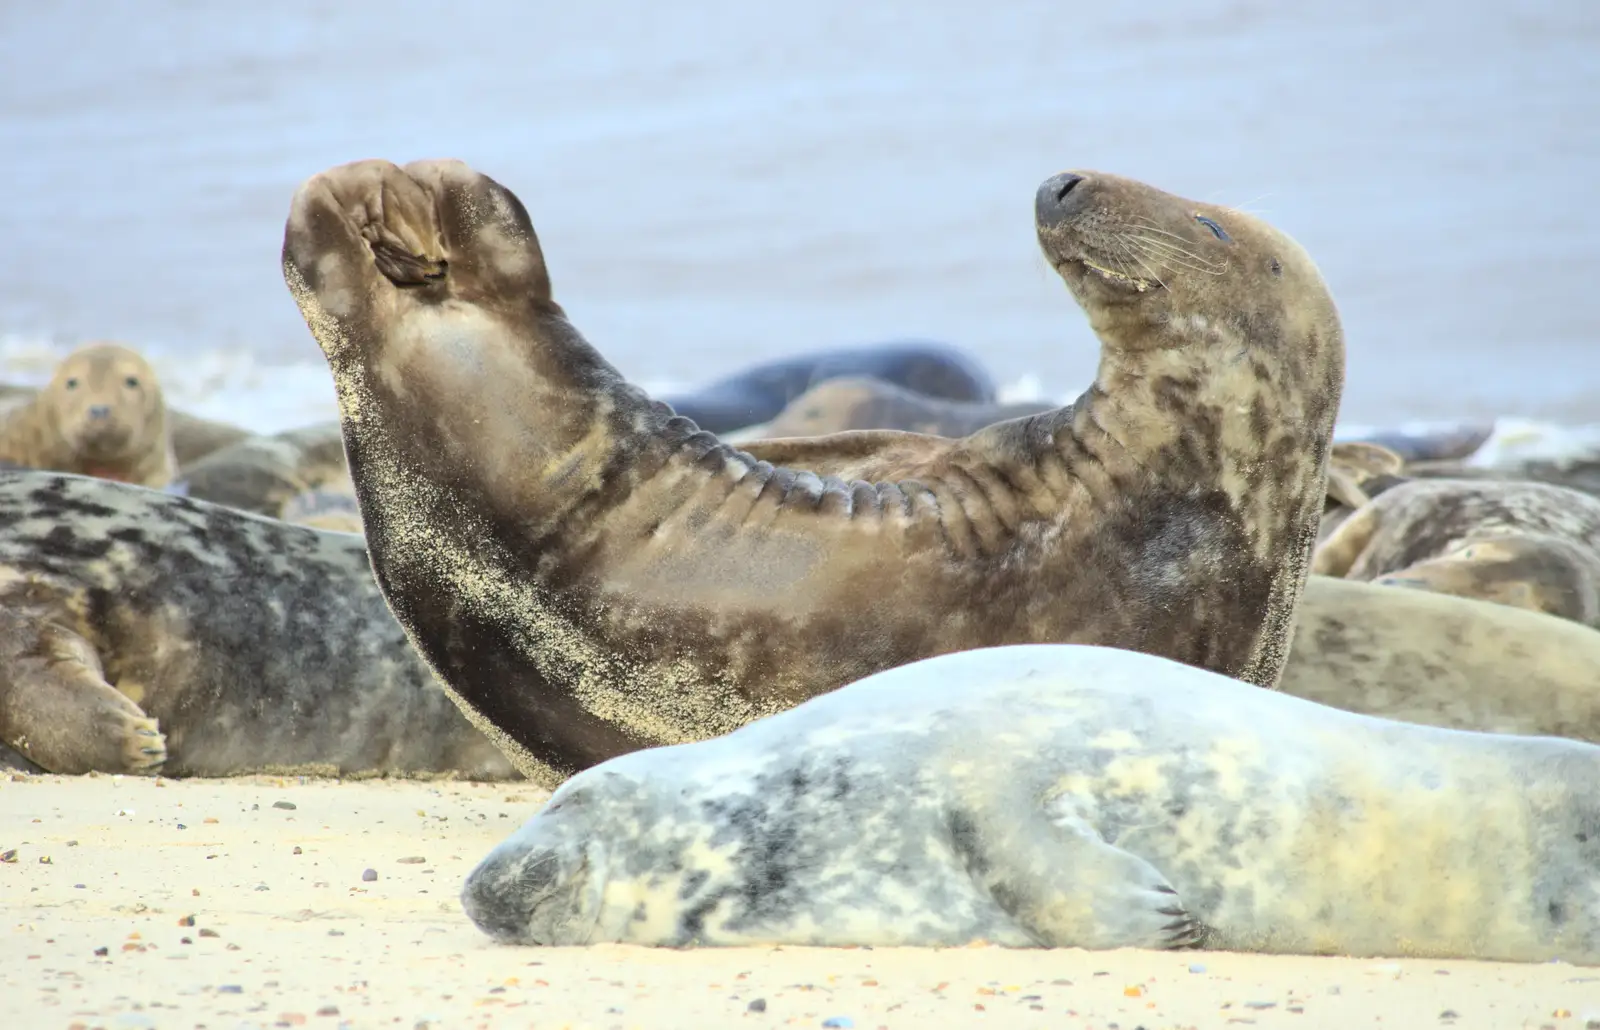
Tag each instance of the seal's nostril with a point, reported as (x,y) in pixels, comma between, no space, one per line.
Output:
(99,411)
(1067,182)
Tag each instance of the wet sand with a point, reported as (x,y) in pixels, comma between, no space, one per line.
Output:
(135,903)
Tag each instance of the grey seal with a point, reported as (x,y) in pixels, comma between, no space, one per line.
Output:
(1068,796)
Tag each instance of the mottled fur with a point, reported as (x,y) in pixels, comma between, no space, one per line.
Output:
(590,573)
(1531,545)
(1065,796)
(256,645)
(102,414)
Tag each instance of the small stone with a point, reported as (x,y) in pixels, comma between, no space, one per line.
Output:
(335,933)
(287,806)
(262,887)
(186,921)
(759,1005)
(328,1010)
(1449,1014)
(185,940)
(1260,1004)
(8,856)
(208,932)
(368,875)
(1196,967)
(1133,991)
(839,1022)
(135,1021)
(230,989)
(102,952)
(297,850)
(182,827)
(411,860)
(72,843)
(209,819)
(233,947)
(125,811)
(80,886)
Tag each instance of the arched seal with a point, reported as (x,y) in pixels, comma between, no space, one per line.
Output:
(1531,545)
(262,474)
(102,414)
(257,646)
(591,574)
(1443,661)
(757,394)
(860,402)
(1137,802)
(1357,472)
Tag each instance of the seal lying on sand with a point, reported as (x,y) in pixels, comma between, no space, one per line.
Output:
(261,474)
(758,394)
(864,403)
(257,646)
(591,574)
(1066,796)
(1443,661)
(102,414)
(1530,545)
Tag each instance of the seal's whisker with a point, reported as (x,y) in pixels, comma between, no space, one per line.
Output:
(1174,258)
(1151,228)
(1123,242)
(1172,248)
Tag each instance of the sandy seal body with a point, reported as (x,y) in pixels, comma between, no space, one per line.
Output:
(590,573)
(1531,545)
(1065,796)
(102,414)
(138,628)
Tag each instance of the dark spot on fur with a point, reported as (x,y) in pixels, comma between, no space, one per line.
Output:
(692,884)
(967,843)
(1558,913)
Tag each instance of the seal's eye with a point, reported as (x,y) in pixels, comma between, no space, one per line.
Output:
(72,384)
(1216,230)
(132,382)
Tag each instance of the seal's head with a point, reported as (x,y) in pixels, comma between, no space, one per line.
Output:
(545,884)
(1151,268)
(1538,572)
(106,406)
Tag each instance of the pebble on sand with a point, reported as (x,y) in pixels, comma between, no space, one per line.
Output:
(368,875)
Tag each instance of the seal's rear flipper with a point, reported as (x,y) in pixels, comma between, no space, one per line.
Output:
(57,709)
(1064,885)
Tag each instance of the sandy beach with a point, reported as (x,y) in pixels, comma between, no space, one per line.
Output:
(137,903)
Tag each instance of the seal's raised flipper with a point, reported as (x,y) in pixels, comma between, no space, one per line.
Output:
(1057,877)
(57,709)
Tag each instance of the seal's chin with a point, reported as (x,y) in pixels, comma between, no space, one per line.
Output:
(1083,269)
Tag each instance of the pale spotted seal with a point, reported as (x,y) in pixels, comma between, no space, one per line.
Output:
(590,573)
(252,645)
(1068,796)
(757,394)
(860,402)
(1444,661)
(1531,545)
(102,414)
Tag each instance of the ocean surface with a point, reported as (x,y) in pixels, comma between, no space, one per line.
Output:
(716,183)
